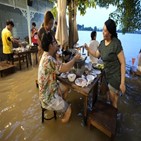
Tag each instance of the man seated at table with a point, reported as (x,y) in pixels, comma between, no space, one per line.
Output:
(50,92)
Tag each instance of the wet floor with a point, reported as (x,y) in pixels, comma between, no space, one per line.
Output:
(20,113)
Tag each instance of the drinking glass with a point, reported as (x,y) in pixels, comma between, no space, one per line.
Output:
(133,61)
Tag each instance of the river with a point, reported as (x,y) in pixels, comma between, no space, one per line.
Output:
(131,43)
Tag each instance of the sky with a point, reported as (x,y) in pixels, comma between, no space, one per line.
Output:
(94,17)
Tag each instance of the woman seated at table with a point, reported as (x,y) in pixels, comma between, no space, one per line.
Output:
(50,92)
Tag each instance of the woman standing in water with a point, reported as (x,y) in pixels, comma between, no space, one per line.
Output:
(111,52)
(45,28)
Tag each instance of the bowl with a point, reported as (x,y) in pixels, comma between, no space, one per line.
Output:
(71,77)
(90,78)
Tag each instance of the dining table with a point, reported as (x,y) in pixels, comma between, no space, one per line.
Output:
(22,56)
(84,91)
(25,55)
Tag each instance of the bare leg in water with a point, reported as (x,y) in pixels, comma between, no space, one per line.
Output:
(113,98)
(67,115)
(63,92)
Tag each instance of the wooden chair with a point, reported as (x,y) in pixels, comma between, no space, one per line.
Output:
(45,118)
(103,117)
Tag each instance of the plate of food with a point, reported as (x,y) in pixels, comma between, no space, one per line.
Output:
(98,66)
(95,72)
(90,78)
(81,82)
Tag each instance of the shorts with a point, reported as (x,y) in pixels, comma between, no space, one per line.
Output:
(111,88)
(9,57)
(58,104)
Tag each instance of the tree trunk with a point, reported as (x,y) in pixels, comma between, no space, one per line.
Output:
(71,24)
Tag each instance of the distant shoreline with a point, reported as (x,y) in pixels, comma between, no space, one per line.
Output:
(135,32)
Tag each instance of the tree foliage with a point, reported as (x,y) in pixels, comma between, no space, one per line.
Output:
(127,14)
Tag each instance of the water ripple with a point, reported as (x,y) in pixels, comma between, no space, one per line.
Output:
(6,109)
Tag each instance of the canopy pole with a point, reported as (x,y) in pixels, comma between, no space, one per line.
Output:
(28,24)
(28,15)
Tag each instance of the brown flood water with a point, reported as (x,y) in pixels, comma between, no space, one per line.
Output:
(20,113)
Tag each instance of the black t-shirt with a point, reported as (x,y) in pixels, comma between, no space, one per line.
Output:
(42,31)
(112,66)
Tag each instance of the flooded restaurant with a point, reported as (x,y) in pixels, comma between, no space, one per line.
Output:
(53,88)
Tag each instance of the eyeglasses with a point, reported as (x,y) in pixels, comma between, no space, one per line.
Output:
(56,44)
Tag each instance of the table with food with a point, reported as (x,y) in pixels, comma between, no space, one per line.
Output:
(23,53)
(84,79)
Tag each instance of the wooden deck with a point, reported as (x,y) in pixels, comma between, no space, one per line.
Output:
(4,67)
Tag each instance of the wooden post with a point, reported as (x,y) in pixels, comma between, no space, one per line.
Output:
(71,23)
